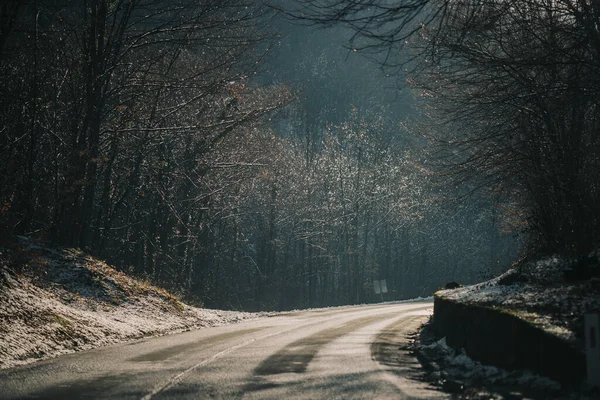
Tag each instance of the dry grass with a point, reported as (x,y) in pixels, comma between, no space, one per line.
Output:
(57,300)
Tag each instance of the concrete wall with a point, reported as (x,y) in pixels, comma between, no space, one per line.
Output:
(496,337)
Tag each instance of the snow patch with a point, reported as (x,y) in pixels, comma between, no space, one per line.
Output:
(55,301)
(538,292)
(461,367)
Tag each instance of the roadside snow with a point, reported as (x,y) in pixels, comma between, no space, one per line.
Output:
(460,367)
(414,300)
(55,301)
(537,292)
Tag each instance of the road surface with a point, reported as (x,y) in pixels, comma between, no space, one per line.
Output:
(337,353)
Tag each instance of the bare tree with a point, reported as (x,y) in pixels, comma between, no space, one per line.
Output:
(510,88)
(510,85)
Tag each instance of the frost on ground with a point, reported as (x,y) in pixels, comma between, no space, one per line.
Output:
(460,366)
(55,301)
(465,378)
(552,294)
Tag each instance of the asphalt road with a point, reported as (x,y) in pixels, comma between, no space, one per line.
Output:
(338,353)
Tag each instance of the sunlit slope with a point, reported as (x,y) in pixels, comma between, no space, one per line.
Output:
(58,300)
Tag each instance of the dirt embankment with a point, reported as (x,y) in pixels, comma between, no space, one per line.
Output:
(57,300)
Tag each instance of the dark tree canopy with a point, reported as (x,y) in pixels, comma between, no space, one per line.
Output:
(510,91)
(165,137)
(380,28)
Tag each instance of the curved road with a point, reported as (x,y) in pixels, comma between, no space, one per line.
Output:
(338,353)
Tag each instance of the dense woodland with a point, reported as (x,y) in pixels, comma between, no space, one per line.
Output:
(510,91)
(192,144)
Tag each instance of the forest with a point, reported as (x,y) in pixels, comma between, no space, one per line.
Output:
(234,152)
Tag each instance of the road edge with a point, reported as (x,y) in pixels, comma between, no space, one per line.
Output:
(497,337)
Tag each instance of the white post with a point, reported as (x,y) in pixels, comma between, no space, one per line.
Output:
(592,348)
(383,285)
(376,287)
